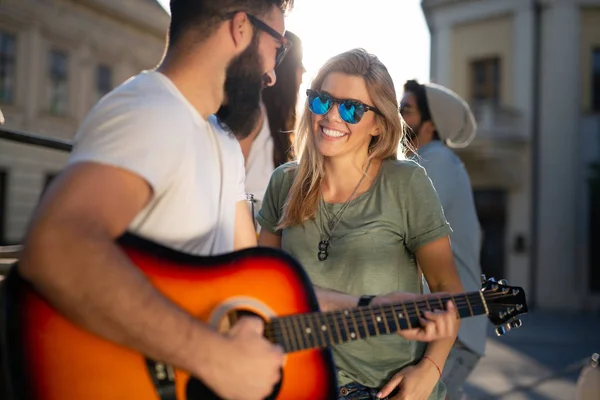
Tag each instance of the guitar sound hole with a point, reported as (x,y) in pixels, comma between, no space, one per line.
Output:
(196,390)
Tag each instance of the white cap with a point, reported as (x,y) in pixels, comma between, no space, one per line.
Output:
(452,116)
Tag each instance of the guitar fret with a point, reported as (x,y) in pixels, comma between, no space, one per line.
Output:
(477,304)
(294,344)
(428,305)
(385,318)
(397,315)
(322,330)
(337,330)
(462,311)
(417,311)
(316,331)
(367,333)
(298,332)
(346,330)
(406,317)
(375,322)
(353,335)
(441,302)
(286,340)
(469,304)
(484,303)
(309,332)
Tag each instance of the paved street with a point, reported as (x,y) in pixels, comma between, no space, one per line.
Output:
(546,345)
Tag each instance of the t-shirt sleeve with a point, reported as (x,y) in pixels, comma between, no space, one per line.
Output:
(143,140)
(424,217)
(270,213)
(241,174)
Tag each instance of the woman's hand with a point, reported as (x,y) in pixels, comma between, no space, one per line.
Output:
(435,325)
(414,383)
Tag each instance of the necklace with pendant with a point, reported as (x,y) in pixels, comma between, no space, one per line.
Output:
(328,228)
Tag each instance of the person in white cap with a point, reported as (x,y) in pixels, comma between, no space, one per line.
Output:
(440,119)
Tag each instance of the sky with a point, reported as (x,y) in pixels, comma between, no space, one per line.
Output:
(394,30)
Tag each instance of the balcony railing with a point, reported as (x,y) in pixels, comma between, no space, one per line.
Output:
(499,123)
(10,254)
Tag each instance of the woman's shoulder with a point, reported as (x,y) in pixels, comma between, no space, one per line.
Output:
(284,174)
(401,170)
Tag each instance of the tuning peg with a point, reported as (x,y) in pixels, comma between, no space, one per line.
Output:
(509,326)
(503,282)
(501,330)
(516,324)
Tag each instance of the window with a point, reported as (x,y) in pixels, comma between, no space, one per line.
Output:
(103,80)
(47,181)
(596,80)
(485,80)
(58,83)
(7,67)
(594,229)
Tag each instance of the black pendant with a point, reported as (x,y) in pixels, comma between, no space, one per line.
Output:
(323,246)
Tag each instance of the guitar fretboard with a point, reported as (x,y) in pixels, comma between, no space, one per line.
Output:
(323,329)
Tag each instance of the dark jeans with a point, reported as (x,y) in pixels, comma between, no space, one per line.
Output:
(356,391)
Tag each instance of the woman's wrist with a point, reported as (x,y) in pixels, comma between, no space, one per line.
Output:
(431,364)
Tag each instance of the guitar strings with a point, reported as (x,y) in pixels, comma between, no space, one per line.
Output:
(356,312)
(388,310)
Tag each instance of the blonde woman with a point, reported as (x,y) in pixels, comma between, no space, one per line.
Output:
(359,220)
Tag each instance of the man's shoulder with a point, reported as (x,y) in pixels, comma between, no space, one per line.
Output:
(147,91)
(439,155)
(144,102)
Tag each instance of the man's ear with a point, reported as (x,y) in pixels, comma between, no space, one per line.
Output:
(427,130)
(241,31)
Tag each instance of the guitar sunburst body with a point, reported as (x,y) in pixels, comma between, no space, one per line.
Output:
(46,357)
(49,358)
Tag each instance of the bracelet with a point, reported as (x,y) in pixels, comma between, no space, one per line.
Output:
(433,362)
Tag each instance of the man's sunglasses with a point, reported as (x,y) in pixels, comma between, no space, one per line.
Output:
(285,44)
(351,111)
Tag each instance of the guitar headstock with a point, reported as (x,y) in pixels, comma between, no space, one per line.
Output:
(504,303)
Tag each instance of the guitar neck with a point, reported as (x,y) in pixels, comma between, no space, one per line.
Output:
(324,329)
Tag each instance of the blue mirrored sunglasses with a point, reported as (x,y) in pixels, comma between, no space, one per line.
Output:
(351,111)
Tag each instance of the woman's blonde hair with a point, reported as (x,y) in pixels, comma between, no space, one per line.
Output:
(303,198)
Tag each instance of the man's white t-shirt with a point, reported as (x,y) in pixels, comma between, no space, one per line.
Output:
(196,169)
(259,165)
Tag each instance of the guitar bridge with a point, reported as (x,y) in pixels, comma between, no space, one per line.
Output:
(163,378)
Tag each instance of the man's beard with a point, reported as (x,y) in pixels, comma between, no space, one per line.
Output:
(243,85)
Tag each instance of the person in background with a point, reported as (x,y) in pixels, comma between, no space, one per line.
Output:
(148,161)
(440,119)
(270,143)
(359,221)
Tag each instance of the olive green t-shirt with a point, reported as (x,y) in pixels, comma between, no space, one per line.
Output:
(371,253)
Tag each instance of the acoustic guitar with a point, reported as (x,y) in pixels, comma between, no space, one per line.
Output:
(46,357)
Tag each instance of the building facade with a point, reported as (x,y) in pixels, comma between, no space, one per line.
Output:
(531,70)
(57,58)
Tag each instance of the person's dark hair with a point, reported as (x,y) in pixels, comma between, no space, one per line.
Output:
(418,91)
(202,17)
(280,102)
